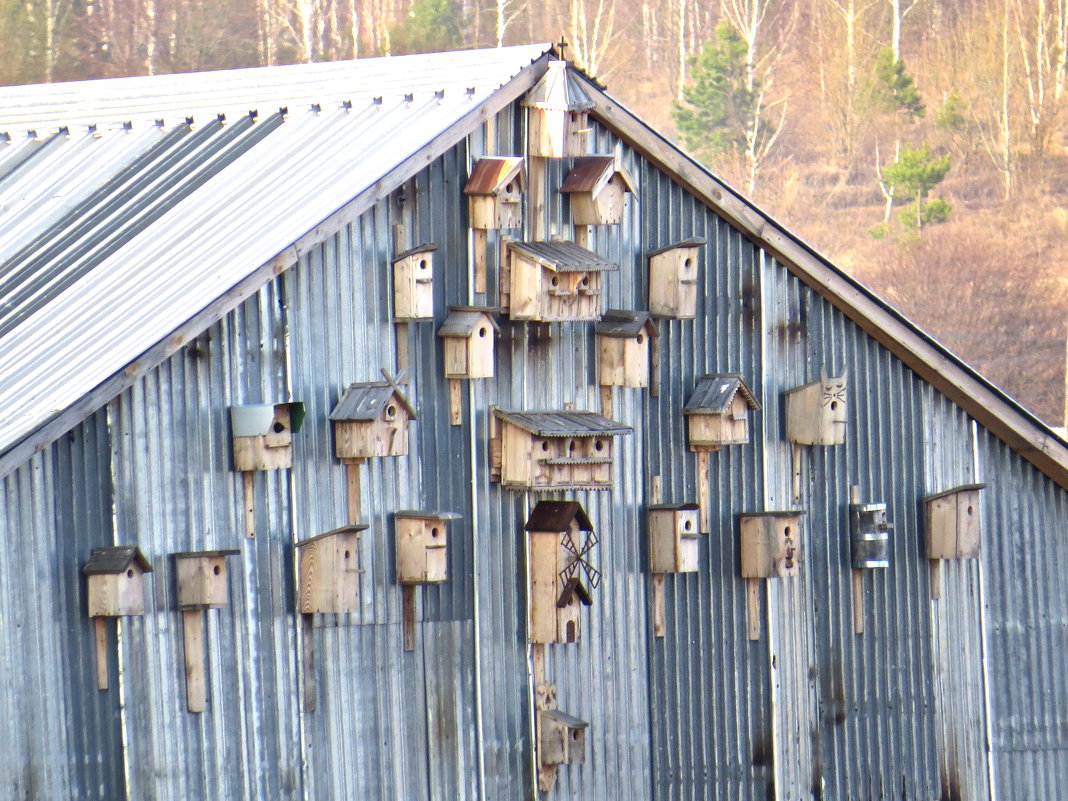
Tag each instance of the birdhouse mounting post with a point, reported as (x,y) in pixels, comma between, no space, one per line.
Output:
(858,578)
(659,626)
(248,480)
(100,631)
(193,636)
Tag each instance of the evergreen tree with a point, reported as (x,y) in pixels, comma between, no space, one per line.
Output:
(896,88)
(431,26)
(915,173)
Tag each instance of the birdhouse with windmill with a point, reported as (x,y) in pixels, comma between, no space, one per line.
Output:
(561,540)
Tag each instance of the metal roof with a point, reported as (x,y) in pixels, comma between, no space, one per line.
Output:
(112,239)
(557,516)
(714,393)
(115,559)
(625,324)
(563,423)
(563,257)
(365,401)
(492,172)
(558,91)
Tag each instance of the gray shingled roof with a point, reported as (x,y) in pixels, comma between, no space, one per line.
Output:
(564,423)
(714,393)
(625,324)
(462,320)
(366,400)
(115,559)
(564,257)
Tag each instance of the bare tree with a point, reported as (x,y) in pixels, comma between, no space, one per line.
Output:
(898,11)
(1041,28)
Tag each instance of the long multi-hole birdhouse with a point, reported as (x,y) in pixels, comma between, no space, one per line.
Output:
(495,193)
(816,412)
(413,283)
(557,114)
(624,339)
(554,450)
(561,538)
(598,186)
(371,419)
(553,281)
(717,413)
(263,434)
(673,280)
(468,335)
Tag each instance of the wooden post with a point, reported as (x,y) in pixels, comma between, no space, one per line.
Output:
(249,478)
(704,496)
(456,405)
(796,452)
(858,578)
(654,366)
(352,487)
(606,402)
(195,684)
(655,496)
(307,622)
(936,579)
(582,236)
(399,245)
(100,632)
(479,245)
(408,603)
(536,197)
(752,607)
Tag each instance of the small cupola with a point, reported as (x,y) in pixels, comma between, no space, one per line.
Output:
(557,114)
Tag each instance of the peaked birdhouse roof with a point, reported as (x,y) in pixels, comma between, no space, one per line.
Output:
(625,324)
(367,400)
(564,423)
(558,90)
(462,321)
(592,174)
(563,257)
(564,719)
(491,173)
(557,516)
(115,559)
(429,247)
(693,242)
(714,393)
(954,491)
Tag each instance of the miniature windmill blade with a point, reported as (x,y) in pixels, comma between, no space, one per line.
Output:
(579,559)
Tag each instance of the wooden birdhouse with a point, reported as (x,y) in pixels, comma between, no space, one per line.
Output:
(673,280)
(598,186)
(623,342)
(468,333)
(371,419)
(674,535)
(561,538)
(422,546)
(202,579)
(816,412)
(717,413)
(114,574)
(556,449)
(557,114)
(263,434)
(413,284)
(329,571)
(553,281)
(561,738)
(954,529)
(870,535)
(771,544)
(495,193)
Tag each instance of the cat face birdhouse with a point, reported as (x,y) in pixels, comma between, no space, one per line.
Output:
(557,114)
(371,419)
(468,335)
(422,546)
(717,413)
(870,535)
(115,581)
(623,342)
(202,579)
(495,193)
(554,281)
(263,435)
(329,571)
(561,738)
(673,280)
(598,186)
(413,284)
(954,528)
(561,539)
(816,412)
(771,544)
(674,536)
(557,449)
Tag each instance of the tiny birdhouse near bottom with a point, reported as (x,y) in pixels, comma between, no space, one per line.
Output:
(816,412)
(263,434)
(329,571)
(674,535)
(870,534)
(771,544)
(561,738)
(202,579)
(598,186)
(114,574)
(561,538)
(557,114)
(413,284)
(371,419)
(422,546)
(717,413)
(623,342)
(954,530)
(468,335)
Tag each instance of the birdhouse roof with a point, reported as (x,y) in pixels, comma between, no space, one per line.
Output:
(205,554)
(558,90)
(367,400)
(773,513)
(253,420)
(693,242)
(563,257)
(355,528)
(954,491)
(674,507)
(563,718)
(573,590)
(429,247)
(463,320)
(557,516)
(592,173)
(492,172)
(564,423)
(625,324)
(418,515)
(714,393)
(115,559)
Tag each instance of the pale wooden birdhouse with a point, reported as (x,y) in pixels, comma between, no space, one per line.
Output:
(371,419)
(554,281)
(263,434)
(598,186)
(623,342)
(771,544)
(561,538)
(561,738)
(954,528)
(413,284)
(115,581)
(717,413)
(674,536)
(557,114)
(202,579)
(422,546)
(816,412)
(554,450)
(495,193)
(673,280)
(329,571)
(469,333)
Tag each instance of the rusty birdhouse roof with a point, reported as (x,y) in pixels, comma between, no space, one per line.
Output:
(714,393)
(564,423)
(367,400)
(462,321)
(693,242)
(592,173)
(563,257)
(557,516)
(492,173)
(115,559)
(558,90)
(625,324)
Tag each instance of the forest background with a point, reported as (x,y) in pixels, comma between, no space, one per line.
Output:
(919,144)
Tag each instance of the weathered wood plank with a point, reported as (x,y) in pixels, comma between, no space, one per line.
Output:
(195,681)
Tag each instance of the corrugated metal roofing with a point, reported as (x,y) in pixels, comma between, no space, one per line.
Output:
(714,393)
(563,423)
(122,236)
(491,172)
(563,257)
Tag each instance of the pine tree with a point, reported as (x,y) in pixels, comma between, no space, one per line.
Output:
(915,173)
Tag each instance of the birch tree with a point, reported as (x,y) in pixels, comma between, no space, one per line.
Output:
(1041,28)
